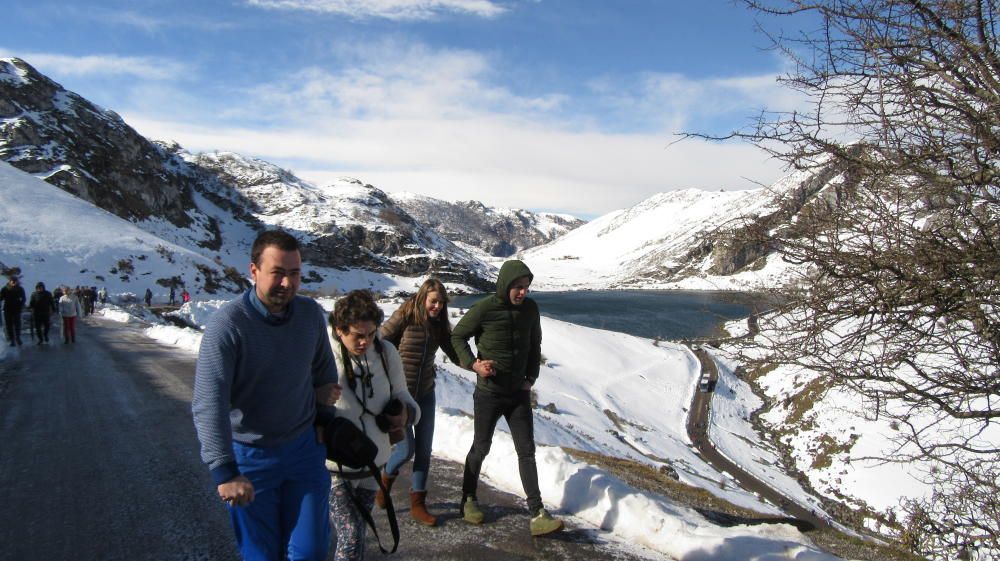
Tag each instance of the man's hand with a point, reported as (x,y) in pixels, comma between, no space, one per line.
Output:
(237,491)
(328,394)
(484,368)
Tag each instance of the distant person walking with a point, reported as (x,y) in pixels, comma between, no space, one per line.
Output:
(13,298)
(91,299)
(102,294)
(148,298)
(83,293)
(42,306)
(185,296)
(264,368)
(418,329)
(173,295)
(508,334)
(69,310)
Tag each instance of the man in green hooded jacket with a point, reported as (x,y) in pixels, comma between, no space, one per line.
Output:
(508,334)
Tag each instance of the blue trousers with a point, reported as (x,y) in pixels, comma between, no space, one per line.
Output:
(417,445)
(290,513)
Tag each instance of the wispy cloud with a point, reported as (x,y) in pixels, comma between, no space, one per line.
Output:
(407,117)
(389,80)
(684,104)
(148,68)
(152,24)
(389,9)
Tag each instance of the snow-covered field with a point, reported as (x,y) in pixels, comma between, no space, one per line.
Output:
(54,237)
(838,441)
(614,394)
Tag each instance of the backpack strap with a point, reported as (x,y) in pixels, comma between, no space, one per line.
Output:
(367,515)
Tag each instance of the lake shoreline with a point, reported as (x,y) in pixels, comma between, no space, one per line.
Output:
(652,314)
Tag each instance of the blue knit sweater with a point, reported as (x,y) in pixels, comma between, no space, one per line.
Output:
(255,376)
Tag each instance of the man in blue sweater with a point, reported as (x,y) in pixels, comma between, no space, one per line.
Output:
(264,366)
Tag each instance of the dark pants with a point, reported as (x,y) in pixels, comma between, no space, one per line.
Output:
(516,408)
(12,324)
(42,325)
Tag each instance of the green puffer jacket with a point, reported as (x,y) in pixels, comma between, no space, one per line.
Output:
(509,335)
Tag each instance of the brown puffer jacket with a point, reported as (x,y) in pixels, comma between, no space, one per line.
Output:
(417,344)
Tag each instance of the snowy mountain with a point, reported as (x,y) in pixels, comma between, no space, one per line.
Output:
(345,225)
(51,236)
(214,204)
(683,239)
(499,232)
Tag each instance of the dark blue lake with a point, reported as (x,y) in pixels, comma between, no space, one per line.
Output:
(668,314)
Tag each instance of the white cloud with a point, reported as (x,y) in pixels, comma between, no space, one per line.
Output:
(390,81)
(388,9)
(500,161)
(411,118)
(148,68)
(683,104)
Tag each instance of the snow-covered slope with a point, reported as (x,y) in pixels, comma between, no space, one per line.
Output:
(647,245)
(54,237)
(213,204)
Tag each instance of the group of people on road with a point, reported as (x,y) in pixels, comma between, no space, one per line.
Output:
(270,364)
(68,303)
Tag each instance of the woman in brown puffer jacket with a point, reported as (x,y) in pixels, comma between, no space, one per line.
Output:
(418,329)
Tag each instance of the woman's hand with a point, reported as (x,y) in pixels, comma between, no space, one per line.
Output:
(397,425)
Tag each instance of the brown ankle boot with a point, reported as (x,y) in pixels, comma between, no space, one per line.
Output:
(418,510)
(387,480)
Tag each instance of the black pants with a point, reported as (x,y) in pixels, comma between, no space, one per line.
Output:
(12,324)
(516,408)
(41,327)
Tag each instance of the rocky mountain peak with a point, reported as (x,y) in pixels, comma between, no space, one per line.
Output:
(498,232)
(85,150)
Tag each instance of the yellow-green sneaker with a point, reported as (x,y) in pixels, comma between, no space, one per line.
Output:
(471,512)
(544,523)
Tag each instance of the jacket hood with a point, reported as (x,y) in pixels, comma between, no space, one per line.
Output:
(510,271)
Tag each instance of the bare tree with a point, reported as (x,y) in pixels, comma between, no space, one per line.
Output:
(901,299)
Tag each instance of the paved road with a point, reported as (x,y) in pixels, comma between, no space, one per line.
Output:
(99,461)
(696,428)
(99,458)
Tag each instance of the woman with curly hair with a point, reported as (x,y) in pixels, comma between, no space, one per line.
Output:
(418,329)
(372,376)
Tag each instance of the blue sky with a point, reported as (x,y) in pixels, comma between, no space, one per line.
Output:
(556,105)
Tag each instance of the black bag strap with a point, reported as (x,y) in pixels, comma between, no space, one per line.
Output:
(390,510)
